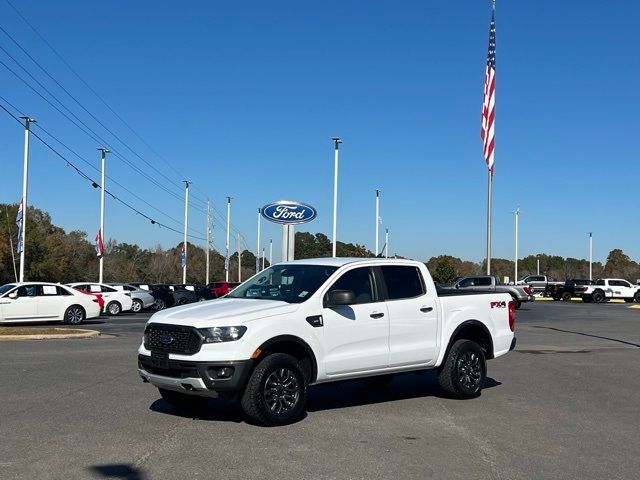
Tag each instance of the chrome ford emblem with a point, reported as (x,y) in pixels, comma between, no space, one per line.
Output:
(289,213)
(166,339)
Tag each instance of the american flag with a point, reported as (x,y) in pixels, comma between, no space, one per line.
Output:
(99,244)
(489,99)
(19,218)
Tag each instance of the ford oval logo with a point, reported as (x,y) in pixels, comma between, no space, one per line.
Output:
(166,339)
(289,213)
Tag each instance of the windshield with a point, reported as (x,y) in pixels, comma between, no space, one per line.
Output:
(288,283)
(5,288)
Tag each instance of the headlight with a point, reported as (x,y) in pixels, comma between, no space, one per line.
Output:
(222,334)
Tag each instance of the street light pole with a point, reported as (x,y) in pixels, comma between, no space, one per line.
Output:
(208,247)
(517,217)
(103,156)
(336,142)
(377,219)
(590,255)
(25,181)
(270,252)
(186,225)
(226,258)
(386,243)
(258,247)
(239,258)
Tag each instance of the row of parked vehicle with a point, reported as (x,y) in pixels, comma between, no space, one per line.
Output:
(596,291)
(75,302)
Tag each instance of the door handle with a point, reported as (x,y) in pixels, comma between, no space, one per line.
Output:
(377,315)
(426,309)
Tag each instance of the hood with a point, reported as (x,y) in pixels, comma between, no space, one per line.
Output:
(222,312)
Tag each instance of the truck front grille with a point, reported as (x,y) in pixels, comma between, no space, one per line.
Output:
(172,339)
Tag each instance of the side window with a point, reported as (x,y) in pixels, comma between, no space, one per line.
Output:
(599,282)
(27,291)
(467,282)
(48,290)
(625,284)
(129,288)
(93,288)
(483,281)
(360,281)
(403,281)
(614,283)
(62,291)
(104,289)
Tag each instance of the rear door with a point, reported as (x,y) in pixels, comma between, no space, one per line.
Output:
(51,302)
(413,313)
(356,337)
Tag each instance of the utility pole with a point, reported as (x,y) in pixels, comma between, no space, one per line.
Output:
(226,258)
(208,247)
(186,224)
(25,181)
(270,252)
(377,219)
(590,255)
(386,242)
(103,157)
(517,217)
(239,258)
(336,142)
(538,265)
(258,247)
(262,258)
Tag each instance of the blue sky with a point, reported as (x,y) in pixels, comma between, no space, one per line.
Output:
(242,98)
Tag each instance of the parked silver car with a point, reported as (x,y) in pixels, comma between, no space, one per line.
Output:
(141,298)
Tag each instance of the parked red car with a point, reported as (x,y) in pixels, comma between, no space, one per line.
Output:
(219,289)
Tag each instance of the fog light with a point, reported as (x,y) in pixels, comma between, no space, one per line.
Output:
(224,372)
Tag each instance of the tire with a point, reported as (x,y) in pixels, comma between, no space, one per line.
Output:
(566,297)
(182,400)
(182,301)
(74,315)
(275,378)
(159,304)
(202,299)
(113,309)
(636,297)
(137,305)
(628,300)
(379,381)
(598,296)
(464,370)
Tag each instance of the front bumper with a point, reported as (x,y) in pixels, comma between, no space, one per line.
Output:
(199,378)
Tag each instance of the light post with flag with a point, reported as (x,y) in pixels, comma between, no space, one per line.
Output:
(487,130)
(100,236)
(186,225)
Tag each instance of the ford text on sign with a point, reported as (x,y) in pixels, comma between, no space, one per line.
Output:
(291,213)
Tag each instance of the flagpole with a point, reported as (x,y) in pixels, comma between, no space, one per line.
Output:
(186,225)
(489,207)
(226,258)
(377,220)
(258,248)
(336,142)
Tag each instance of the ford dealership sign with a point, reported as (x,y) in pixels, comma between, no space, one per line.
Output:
(289,213)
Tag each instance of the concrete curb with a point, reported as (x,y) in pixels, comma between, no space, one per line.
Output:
(635,307)
(574,299)
(71,333)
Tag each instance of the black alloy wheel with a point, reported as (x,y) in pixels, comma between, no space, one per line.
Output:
(636,297)
(74,315)
(598,296)
(159,304)
(464,370)
(276,392)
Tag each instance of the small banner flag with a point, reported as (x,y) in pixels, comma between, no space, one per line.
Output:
(99,244)
(20,243)
(183,256)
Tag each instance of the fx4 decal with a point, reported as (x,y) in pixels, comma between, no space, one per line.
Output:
(498,304)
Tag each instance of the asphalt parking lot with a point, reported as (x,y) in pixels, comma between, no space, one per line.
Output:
(565,404)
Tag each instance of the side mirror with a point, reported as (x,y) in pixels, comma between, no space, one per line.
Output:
(340,297)
(13,295)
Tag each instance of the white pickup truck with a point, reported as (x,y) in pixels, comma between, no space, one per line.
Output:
(321,320)
(607,288)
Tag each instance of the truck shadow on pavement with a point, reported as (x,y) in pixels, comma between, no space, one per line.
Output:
(344,394)
(121,471)
(588,335)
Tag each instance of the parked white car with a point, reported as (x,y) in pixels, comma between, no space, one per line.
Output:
(115,301)
(141,298)
(606,288)
(45,302)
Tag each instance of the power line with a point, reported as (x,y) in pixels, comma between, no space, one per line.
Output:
(104,102)
(96,184)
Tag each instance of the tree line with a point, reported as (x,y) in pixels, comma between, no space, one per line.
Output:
(59,256)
